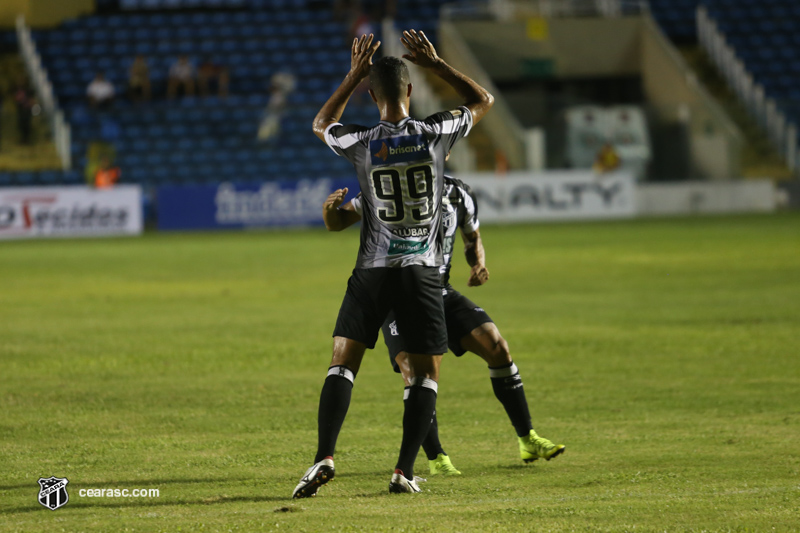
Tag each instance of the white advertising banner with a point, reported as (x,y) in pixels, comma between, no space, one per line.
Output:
(28,212)
(553,195)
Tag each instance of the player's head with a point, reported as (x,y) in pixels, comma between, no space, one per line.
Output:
(388,80)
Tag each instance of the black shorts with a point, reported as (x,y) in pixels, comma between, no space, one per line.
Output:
(461,316)
(414,294)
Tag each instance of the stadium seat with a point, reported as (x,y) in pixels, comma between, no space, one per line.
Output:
(23,178)
(206,137)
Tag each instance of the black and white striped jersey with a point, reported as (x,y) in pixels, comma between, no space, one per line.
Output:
(400,169)
(459,210)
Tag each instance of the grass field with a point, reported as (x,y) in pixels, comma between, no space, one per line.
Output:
(664,353)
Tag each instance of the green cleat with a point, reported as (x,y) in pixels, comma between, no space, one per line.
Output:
(442,465)
(532,447)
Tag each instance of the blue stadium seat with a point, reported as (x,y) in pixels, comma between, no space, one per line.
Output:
(159,175)
(23,178)
(209,137)
(49,177)
(73,177)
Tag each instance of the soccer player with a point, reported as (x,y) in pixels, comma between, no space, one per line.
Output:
(469,327)
(400,167)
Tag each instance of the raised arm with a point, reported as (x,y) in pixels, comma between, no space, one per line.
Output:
(422,53)
(476,258)
(338,218)
(360,60)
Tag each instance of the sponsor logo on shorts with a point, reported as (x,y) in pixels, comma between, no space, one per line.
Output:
(393,329)
(478,310)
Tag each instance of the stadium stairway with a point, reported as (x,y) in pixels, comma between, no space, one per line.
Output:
(34,162)
(759,157)
(765,36)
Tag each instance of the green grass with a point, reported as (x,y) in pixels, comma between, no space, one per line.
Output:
(664,353)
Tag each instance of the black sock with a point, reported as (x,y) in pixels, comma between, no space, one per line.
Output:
(419,409)
(431,444)
(333,404)
(508,389)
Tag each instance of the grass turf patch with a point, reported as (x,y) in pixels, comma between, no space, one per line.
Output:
(662,352)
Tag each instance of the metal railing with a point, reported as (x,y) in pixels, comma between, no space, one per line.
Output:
(782,133)
(44,93)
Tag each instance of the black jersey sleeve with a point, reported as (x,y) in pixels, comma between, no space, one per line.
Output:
(468,215)
(345,140)
(451,125)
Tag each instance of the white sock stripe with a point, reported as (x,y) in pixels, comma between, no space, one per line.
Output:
(342,371)
(425,382)
(503,372)
(405,393)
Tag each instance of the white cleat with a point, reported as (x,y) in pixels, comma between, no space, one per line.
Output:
(399,484)
(314,478)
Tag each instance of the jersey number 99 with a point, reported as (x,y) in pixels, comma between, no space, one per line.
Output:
(399,191)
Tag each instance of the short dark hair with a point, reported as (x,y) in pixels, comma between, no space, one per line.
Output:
(388,78)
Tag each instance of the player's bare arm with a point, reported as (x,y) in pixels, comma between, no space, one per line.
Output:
(422,53)
(360,60)
(336,216)
(476,258)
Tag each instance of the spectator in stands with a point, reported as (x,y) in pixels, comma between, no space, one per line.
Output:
(100,92)
(107,174)
(139,80)
(607,159)
(181,76)
(25,102)
(281,86)
(210,72)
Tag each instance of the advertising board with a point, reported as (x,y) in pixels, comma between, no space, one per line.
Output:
(230,206)
(553,195)
(70,211)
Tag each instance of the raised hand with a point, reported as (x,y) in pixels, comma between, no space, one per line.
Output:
(420,50)
(361,56)
(335,199)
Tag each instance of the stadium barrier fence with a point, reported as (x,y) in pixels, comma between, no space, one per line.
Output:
(780,130)
(44,93)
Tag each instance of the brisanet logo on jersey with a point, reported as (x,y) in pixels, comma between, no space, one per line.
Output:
(403,149)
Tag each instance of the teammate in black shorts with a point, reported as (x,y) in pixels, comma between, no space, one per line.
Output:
(400,167)
(469,327)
